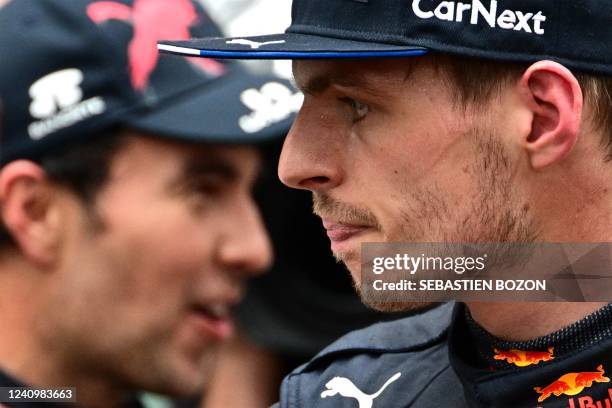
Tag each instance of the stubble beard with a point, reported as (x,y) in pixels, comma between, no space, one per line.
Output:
(493,215)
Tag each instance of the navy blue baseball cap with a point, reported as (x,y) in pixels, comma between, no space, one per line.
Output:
(70,69)
(576,33)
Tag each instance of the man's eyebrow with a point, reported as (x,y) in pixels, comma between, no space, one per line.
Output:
(199,166)
(315,85)
(320,83)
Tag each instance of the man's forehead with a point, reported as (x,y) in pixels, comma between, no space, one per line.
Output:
(143,150)
(315,76)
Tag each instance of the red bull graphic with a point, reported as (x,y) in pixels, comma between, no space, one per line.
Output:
(153,20)
(522,358)
(572,384)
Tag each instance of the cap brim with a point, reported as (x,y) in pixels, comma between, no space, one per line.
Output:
(217,113)
(287,46)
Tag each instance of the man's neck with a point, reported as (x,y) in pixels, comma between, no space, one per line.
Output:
(28,357)
(582,215)
(34,368)
(527,321)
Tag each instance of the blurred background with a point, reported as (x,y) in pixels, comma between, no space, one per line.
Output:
(253,17)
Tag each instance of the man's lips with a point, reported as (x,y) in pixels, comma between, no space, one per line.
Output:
(213,319)
(340,232)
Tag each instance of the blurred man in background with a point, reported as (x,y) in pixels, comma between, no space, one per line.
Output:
(128,221)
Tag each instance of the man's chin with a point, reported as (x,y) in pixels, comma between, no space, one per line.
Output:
(187,377)
(352,262)
(396,307)
(354,267)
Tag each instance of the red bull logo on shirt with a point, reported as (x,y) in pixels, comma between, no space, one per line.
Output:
(573,384)
(522,358)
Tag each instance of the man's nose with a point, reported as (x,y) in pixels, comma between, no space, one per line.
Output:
(311,156)
(246,248)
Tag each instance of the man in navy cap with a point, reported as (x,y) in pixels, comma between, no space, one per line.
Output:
(499,132)
(128,225)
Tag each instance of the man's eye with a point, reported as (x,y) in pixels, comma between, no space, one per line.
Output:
(359,109)
(207,188)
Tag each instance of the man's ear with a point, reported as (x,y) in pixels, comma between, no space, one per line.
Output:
(27,211)
(555,99)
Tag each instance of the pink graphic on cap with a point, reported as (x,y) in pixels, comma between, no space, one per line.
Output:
(153,20)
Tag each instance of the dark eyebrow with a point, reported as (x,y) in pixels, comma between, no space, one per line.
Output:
(376,79)
(315,85)
(199,166)
(320,83)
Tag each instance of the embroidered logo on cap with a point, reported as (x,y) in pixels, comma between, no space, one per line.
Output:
(253,44)
(271,104)
(56,101)
(474,12)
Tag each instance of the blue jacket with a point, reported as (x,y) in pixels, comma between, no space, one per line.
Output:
(396,364)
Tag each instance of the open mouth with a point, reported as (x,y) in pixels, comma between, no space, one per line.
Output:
(213,320)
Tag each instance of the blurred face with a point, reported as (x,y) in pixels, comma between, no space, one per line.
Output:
(390,156)
(144,291)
